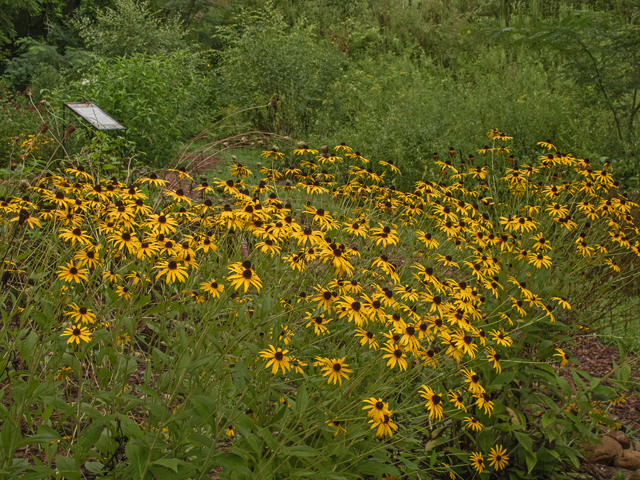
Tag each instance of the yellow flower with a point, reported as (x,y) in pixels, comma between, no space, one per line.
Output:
(563,357)
(336,370)
(395,355)
(498,458)
(277,359)
(77,333)
(173,270)
(71,273)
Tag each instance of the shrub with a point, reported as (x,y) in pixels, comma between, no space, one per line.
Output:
(266,63)
(161,100)
(128,29)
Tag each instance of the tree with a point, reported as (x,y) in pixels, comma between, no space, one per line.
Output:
(602,52)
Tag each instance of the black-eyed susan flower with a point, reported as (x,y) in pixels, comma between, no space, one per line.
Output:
(274,153)
(76,235)
(89,256)
(494,357)
(173,271)
(562,355)
(501,338)
(473,379)
(147,250)
(318,322)
(483,400)
(244,277)
(477,462)
(434,402)
(125,239)
(385,427)
(367,337)
(377,408)
(81,314)
(395,355)
(338,425)
(457,399)
(77,333)
(563,302)
(352,309)
(213,288)
(324,298)
(181,172)
(71,273)
(277,359)
(153,180)
(297,365)
(336,369)
(473,423)
(164,224)
(498,458)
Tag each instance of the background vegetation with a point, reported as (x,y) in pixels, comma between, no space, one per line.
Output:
(401,79)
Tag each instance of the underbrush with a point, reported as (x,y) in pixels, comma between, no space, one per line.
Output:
(299,318)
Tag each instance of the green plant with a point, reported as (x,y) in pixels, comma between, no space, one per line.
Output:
(160,100)
(265,63)
(130,28)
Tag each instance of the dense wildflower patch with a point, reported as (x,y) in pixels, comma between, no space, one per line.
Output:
(306,316)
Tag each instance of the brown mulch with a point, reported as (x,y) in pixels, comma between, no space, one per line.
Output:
(597,359)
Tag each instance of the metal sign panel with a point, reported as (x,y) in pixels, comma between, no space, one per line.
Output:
(94,115)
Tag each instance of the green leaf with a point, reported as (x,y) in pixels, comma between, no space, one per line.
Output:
(302,398)
(524,440)
(230,461)
(94,467)
(39,438)
(485,440)
(301,451)
(171,463)
(378,469)
(547,419)
(531,459)
(67,467)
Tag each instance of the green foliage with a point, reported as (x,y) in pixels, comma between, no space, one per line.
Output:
(19,124)
(265,62)
(9,10)
(130,28)
(160,99)
(602,53)
(35,57)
